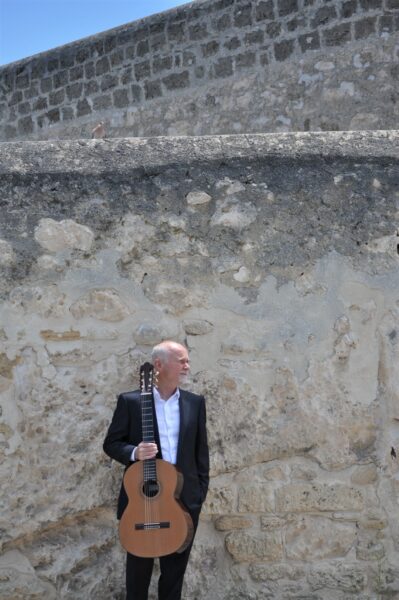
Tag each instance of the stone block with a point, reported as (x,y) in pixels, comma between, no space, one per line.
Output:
(109,81)
(142,48)
(273,30)
(121,98)
(348,9)
(264,11)
(284,49)
(370,4)
(309,41)
(24,108)
(254,37)
(177,31)
(102,102)
(40,104)
(90,70)
(22,81)
(53,116)
(158,43)
(219,501)
(392,4)
(60,79)
(74,90)
(296,23)
(56,97)
(364,475)
(177,81)
(256,498)
(67,60)
(153,89)
(286,7)
(197,327)
(53,64)
(232,43)
(210,48)
(224,22)
(31,92)
(347,577)
(6,253)
(82,54)
(142,70)
(232,522)
(248,548)
(110,43)
(83,108)
(365,27)
(248,59)
(56,236)
(76,73)
(198,31)
(90,88)
(136,93)
(38,68)
(102,66)
(223,67)
(319,497)
(116,58)
(162,63)
(67,113)
(324,15)
(46,85)
(104,305)
(16,98)
(197,197)
(243,16)
(130,52)
(317,538)
(337,35)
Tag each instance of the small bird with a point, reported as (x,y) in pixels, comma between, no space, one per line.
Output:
(99,131)
(393,453)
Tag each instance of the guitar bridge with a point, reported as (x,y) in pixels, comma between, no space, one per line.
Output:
(159,525)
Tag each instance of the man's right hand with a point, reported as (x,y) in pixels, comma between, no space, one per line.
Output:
(145,450)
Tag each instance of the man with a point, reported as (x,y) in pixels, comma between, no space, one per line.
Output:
(180,438)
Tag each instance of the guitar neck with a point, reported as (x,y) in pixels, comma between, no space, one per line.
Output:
(147,421)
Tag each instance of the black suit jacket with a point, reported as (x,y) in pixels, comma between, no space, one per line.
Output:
(125,432)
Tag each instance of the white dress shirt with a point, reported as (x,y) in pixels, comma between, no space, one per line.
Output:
(168,419)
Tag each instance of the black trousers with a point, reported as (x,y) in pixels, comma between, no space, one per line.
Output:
(170,583)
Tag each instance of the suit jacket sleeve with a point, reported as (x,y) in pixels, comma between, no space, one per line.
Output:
(202,451)
(116,443)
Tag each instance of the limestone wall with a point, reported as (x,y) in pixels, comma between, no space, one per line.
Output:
(211,66)
(275,258)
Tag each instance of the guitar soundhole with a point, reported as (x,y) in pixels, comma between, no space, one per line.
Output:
(151,488)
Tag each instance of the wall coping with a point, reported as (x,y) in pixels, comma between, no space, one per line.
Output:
(119,155)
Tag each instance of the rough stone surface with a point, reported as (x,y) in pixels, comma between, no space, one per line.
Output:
(103,257)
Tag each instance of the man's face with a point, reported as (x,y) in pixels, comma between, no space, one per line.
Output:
(176,367)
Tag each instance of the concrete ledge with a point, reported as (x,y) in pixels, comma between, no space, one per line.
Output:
(127,154)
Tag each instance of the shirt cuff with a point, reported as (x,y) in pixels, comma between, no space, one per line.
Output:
(133,454)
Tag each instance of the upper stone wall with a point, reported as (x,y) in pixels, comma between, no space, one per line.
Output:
(215,67)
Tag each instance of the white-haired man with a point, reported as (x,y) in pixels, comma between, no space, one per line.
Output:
(181,439)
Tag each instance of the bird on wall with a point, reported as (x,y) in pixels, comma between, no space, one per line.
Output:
(99,131)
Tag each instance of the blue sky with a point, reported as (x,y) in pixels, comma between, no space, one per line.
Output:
(31,26)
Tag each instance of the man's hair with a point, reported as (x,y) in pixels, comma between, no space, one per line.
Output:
(161,352)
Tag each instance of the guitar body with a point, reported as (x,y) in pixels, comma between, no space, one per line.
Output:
(154,522)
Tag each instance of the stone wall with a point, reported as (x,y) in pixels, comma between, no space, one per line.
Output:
(220,66)
(275,258)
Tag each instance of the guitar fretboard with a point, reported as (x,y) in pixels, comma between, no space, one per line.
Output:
(147,421)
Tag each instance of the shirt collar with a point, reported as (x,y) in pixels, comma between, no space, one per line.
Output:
(157,396)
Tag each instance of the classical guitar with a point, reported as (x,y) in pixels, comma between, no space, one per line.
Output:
(154,522)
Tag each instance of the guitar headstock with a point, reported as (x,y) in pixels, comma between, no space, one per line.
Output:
(146,377)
